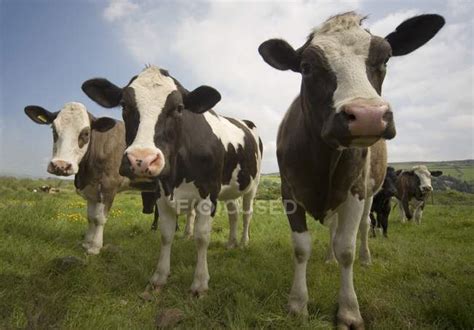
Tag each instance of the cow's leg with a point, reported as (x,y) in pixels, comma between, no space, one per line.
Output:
(189,228)
(364,226)
(332,223)
(247,208)
(97,213)
(156,216)
(383,219)
(349,216)
(401,211)
(301,238)
(89,237)
(373,224)
(418,213)
(167,224)
(233,214)
(202,235)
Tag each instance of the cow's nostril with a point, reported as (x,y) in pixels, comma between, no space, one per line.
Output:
(351,117)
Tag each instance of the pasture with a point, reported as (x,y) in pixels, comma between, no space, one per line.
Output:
(421,276)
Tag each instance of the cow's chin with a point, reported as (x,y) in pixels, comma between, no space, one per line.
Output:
(363,141)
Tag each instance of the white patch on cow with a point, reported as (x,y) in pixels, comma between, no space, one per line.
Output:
(346,46)
(298,298)
(69,123)
(183,197)
(424,175)
(231,191)
(349,216)
(225,131)
(151,89)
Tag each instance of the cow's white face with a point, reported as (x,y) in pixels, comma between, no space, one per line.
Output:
(71,135)
(424,175)
(149,92)
(346,46)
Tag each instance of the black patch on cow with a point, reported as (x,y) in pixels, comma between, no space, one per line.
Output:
(245,156)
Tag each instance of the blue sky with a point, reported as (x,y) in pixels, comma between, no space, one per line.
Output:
(48,48)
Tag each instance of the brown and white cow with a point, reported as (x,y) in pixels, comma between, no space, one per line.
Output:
(413,189)
(330,145)
(196,156)
(91,149)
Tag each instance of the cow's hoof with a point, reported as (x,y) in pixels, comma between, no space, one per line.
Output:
(197,293)
(365,259)
(347,320)
(146,296)
(86,245)
(93,250)
(232,244)
(298,309)
(188,237)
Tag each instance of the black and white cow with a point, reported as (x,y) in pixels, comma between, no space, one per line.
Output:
(413,189)
(381,205)
(197,156)
(330,145)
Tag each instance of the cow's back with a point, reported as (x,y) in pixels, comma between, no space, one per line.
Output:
(220,155)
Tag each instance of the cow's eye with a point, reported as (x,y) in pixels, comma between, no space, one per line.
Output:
(84,137)
(305,68)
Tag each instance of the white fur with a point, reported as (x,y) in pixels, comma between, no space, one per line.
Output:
(227,132)
(298,298)
(151,91)
(97,217)
(424,175)
(71,120)
(346,46)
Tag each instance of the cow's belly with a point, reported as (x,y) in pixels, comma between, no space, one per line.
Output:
(232,190)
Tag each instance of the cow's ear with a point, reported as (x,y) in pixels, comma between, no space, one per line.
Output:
(102,124)
(280,55)
(40,115)
(201,99)
(414,33)
(436,173)
(103,92)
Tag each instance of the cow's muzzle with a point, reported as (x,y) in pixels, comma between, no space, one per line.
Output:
(60,167)
(142,163)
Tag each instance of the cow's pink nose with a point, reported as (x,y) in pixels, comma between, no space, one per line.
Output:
(60,167)
(145,162)
(367,119)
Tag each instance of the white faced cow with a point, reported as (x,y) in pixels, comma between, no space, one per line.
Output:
(197,156)
(413,189)
(330,146)
(91,149)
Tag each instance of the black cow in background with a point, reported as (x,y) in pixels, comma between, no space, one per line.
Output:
(381,205)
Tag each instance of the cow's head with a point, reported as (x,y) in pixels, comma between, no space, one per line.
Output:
(72,127)
(390,182)
(152,104)
(424,176)
(343,67)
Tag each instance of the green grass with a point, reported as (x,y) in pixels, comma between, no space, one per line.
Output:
(421,277)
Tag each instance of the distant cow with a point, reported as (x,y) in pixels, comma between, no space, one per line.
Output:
(330,145)
(381,205)
(91,149)
(413,189)
(196,155)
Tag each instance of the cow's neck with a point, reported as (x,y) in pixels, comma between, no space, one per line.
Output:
(342,168)
(82,179)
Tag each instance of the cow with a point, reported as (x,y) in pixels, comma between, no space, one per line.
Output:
(381,204)
(90,149)
(331,143)
(194,156)
(413,189)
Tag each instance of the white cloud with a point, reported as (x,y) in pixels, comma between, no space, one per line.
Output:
(118,9)
(216,43)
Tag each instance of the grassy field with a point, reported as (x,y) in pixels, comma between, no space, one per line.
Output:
(421,277)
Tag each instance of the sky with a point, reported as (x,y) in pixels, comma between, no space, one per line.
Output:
(49,48)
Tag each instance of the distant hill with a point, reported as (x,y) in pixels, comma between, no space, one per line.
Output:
(460,169)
